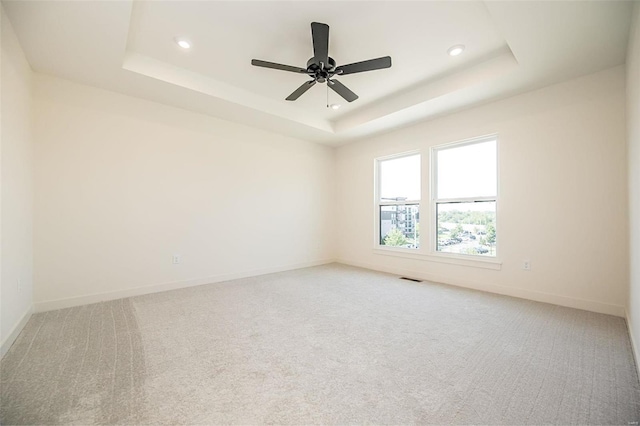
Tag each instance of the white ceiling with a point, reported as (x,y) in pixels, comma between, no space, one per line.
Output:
(511,47)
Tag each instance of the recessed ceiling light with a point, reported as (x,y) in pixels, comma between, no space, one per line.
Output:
(183,43)
(334,106)
(455,50)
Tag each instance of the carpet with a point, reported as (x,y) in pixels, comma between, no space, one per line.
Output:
(331,344)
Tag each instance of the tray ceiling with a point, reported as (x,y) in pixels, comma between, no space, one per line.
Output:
(511,47)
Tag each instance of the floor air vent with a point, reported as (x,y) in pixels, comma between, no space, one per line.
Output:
(411,279)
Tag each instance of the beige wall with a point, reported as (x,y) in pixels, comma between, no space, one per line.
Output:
(16,195)
(563,194)
(633,127)
(123,184)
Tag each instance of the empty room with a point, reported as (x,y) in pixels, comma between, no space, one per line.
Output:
(320,212)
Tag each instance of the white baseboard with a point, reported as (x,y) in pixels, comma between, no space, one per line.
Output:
(634,348)
(50,305)
(15,331)
(587,305)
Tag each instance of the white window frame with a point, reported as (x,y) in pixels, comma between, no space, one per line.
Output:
(428,236)
(378,203)
(434,201)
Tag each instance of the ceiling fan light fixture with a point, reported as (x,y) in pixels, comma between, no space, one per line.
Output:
(456,50)
(185,44)
(334,106)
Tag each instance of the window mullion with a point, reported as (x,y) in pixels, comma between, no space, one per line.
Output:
(465,200)
(399,203)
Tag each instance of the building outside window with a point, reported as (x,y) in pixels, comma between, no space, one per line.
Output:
(398,201)
(464,178)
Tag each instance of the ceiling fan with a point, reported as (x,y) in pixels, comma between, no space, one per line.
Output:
(322,68)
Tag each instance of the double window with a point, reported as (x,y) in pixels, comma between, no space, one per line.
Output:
(464,194)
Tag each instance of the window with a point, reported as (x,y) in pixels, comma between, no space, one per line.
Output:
(398,201)
(465,195)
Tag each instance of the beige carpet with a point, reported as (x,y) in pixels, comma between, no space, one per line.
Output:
(330,344)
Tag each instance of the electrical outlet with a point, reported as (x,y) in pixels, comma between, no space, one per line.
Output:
(18,287)
(526,265)
(175,259)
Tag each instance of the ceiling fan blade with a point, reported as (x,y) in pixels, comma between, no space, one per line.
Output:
(300,90)
(273,65)
(370,65)
(342,90)
(320,35)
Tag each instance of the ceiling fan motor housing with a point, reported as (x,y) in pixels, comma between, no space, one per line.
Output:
(321,74)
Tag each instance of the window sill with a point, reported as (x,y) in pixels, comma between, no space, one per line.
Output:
(460,260)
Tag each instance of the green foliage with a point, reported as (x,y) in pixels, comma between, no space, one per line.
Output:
(470,232)
(395,238)
(455,232)
(469,217)
(491,233)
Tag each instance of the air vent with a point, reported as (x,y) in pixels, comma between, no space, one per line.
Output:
(411,279)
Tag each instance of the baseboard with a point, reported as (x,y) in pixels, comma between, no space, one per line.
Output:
(587,305)
(634,348)
(50,305)
(15,331)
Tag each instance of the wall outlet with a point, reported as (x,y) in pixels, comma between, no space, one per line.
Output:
(18,287)
(175,259)
(526,265)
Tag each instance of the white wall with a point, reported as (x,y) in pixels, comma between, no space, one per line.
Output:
(16,195)
(563,194)
(123,184)
(633,129)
